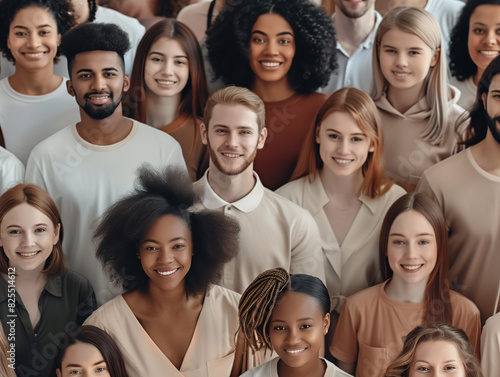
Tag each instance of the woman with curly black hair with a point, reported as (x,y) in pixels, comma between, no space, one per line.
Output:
(167,255)
(477,32)
(283,50)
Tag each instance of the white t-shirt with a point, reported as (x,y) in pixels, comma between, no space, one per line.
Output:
(490,346)
(84,179)
(270,369)
(468,92)
(27,120)
(11,170)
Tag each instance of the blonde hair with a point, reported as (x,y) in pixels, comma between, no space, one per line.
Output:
(421,23)
(4,349)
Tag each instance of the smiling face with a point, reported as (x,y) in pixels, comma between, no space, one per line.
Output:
(436,358)
(233,138)
(297,331)
(272,48)
(27,236)
(83,359)
(343,146)
(412,248)
(405,61)
(166,72)
(166,252)
(33,38)
(98,83)
(492,106)
(484,36)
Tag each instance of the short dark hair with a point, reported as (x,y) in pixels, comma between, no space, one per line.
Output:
(461,64)
(315,57)
(91,36)
(160,193)
(60,10)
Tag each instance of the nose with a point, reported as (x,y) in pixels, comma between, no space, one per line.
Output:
(165,256)
(232,139)
(98,82)
(293,336)
(167,68)
(411,251)
(343,146)
(402,60)
(28,239)
(34,41)
(271,48)
(490,38)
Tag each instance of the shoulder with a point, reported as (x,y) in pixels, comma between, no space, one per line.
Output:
(284,206)
(443,169)
(148,132)
(9,161)
(461,305)
(394,193)
(193,9)
(294,190)
(61,139)
(364,298)
(263,370)
(492,325)
(223,297)
(129,24)
(334,371)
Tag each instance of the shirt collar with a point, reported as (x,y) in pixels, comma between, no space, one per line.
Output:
(53,286)
(246,204)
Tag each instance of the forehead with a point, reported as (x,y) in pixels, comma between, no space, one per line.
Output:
(409,222)
(25,213)
(402,39)
(233,116)
(97,61)
(33,16)
(293,306)
(486,14)
(495,83)
(272,24)
(168,46)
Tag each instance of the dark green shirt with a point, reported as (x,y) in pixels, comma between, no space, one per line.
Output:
(66,301)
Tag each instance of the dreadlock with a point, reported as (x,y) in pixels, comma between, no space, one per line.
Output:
(92,10)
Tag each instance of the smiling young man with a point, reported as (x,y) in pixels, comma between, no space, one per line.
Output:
(467,187)
(89,165)
(274,231)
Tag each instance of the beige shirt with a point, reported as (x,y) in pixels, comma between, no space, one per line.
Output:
(490,347)
(274,232)
(371,328)
(210,353)
(354,265)
(470,199)
(270,369)
(406,153)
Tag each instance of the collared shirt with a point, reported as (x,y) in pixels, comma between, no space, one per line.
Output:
(64,304)
(354,70)
(274,232)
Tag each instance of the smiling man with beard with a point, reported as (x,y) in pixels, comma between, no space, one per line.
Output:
(467,186)
(89,165)
(274,232)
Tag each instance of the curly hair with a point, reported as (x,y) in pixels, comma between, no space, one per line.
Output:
(91,36)
(161,193)
(59,9)
(228,42)
(461,65)
(436,332)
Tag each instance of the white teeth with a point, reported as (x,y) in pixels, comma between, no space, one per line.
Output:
(412,268)
(34,55)
(341,161)
(295,351)
(231,155)
(401,74)
(99,98)
(167,272)
(29,254)
(491,53)
(270,64)
(166,82)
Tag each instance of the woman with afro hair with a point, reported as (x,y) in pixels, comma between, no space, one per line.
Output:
(283,50)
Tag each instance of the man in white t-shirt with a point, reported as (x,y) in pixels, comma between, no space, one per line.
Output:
(89,165)
(355,25)
(274,232)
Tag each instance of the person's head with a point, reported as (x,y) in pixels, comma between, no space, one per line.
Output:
(83,10)
(413,248)
(233,129)
(168,62)
(438,348)
(31,231)
(408,58)
(485,114)
(289,314)
(475,31)
(95,63)
(138,236)
(90,352)
(348,115)
(30,30)
(354,10)
(303,53)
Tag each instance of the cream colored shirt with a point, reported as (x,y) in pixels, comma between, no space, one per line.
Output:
(470,199)
(274,232)
(490,347)
(210,353)
(354,265)
(270,369)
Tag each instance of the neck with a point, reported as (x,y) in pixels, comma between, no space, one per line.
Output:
(383,6)
(344,189)
(31,277)
(477,76)
(110,130)
(487,154)
(273,91)
(231,188)
(161,111)
(313,368)
(35,83)
(351,32)
(402,291)
(166,300)
(403,99)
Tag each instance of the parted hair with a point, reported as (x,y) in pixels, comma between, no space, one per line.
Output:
(421,23)
(361,107)
(258,301)
(461,64)
(400,367)
(36,197)
(159,193)
(59,9)
(101,340)
(228,42)
(437,307)
(94,36)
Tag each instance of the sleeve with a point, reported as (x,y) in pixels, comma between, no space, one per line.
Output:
(425,187)
(344,346)
(490,346)
(33,171)
(11,171)
(87,302)
(474,331)
(175,157)
(307,255)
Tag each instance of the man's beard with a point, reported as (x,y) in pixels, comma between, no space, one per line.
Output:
(100,112)
(492,125)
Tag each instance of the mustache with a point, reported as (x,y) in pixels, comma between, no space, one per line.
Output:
(87,95)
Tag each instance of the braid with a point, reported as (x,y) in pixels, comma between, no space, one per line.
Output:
(257,304)
(92,10)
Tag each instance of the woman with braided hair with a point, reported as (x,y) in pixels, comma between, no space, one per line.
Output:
(289,314)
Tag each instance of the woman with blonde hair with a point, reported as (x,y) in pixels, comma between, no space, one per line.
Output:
(417,107)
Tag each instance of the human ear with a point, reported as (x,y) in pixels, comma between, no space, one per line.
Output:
(262,138)
(58,372)
(203,132)
(483,97)
(126,83)
(69,88)
(317,134)
(56,233)
(326,323)
(435,58)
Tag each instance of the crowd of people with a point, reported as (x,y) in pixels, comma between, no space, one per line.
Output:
(250,188)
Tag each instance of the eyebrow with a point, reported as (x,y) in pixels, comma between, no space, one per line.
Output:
(447,361)
(19,226)
(482,24)
(172,240)
(282,33)
(79,366)
(162,54)
(356,133)
(299,320)
(410,48)
(25,28)
(107,69)
(402,235)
